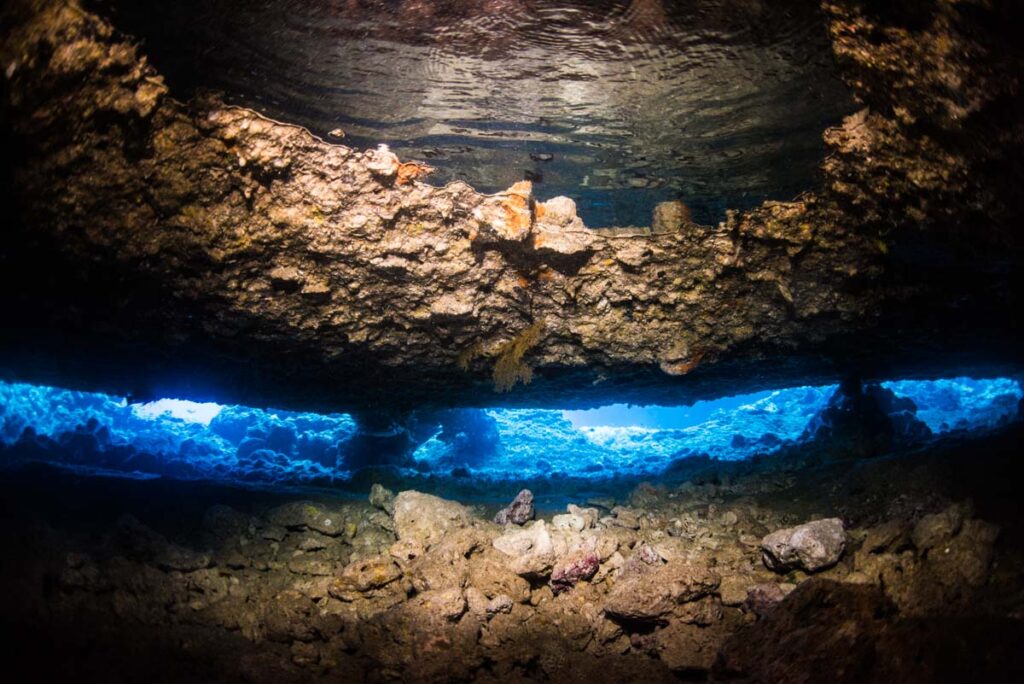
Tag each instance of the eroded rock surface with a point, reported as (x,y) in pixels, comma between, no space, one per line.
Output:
(519,511)
(165,240)
(812,546)
(435,592)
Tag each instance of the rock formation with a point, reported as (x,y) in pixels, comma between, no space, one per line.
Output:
(276,588)
(201,250)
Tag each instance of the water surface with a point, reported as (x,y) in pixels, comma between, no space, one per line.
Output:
(617,104)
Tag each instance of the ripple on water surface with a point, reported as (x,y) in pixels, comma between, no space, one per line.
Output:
(617,104)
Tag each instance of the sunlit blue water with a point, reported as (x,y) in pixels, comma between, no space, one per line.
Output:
(209,441)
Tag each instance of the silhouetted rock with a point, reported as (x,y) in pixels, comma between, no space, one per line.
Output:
(519,511)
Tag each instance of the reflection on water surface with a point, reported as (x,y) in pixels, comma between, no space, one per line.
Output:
(617,104)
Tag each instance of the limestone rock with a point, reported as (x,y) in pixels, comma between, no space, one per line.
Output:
(559,230)
(426,519)
(938,528)
(812,546)
(299,515)
(531,550)
(762,597)
(519,512)
(572,569)
(383,163)
(651,596)
(382,498)
(670,217)
(360,578)
(506,216)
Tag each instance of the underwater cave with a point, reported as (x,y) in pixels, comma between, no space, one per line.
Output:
(512,340)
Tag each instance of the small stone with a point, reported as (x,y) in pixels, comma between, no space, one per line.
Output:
(427,519)
(652,595)
(669,217)
(500,604)
(505,216)
(589,515)
(573,569)
(382,498)
(626,517)
(383,163)
(531,550)
(178,558)
(762,597)
(286,279)
(519,511)
(568,522)
(336,133)
(647,554)
(812,547)
(937,528)
(541,156)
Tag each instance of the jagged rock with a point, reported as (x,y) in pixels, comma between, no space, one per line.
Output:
(760,299)
(364,576)
(939,528)
(287,617)
(570,570)
(531,550)
(383,163)
(625,517)
(589,515)
(762,597)
(651,596)
(519,512)
(223,522)
(382,498)
(670,217)
(569,522)
(812,546)
(506,216)
(426,519)
(500,604)
(308,515)
(559,230)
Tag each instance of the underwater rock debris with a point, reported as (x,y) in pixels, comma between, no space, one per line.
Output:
(812,546)
(519,512)
(156,236)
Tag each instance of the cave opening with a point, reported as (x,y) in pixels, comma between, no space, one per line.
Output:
(773,437)
(487,450)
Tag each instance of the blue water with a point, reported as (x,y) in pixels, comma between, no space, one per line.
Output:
(191,440)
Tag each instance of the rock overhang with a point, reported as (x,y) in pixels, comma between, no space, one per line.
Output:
(204,251)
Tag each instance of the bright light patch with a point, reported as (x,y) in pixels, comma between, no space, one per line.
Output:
(188,411)
(185,439)
(660,417)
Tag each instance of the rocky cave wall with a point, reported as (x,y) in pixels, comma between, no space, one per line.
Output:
(200,250)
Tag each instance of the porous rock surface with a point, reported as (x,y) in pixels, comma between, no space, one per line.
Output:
(812,546)
(519,511)
(157,240)
(436,592)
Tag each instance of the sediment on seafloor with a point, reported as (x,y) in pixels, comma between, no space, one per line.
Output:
(833,573)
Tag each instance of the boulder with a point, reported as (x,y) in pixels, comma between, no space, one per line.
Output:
(427,519)
(651,596)
(382,498)
(531,550)
(812,546)
(519,511)
(572,569)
